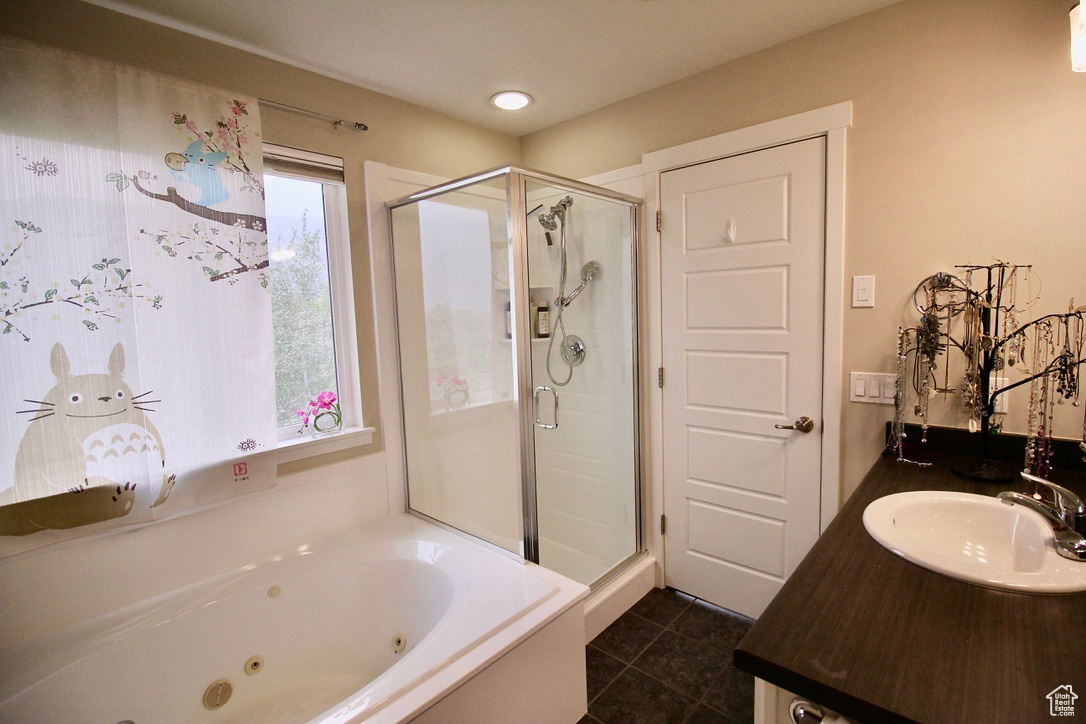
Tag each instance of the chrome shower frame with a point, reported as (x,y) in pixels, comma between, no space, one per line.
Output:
(516,179)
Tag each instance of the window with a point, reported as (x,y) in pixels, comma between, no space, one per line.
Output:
(312,300)
(456,280)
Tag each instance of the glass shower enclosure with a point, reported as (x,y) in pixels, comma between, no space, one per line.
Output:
(516,311)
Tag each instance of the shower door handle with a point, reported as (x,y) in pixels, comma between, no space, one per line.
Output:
(539,423)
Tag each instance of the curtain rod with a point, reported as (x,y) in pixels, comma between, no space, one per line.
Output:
(336,122)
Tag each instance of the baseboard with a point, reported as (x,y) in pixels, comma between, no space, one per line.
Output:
(605,605)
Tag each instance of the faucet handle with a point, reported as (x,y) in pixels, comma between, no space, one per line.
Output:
(1069,505)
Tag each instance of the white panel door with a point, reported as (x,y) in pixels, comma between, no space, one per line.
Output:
(743,242)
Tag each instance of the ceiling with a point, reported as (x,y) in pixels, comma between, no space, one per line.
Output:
(571,56)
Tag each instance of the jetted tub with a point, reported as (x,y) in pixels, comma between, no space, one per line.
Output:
(383,623)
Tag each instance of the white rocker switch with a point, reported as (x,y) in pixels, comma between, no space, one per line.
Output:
(863,291)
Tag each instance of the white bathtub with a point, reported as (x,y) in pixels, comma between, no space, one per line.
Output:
(324,619)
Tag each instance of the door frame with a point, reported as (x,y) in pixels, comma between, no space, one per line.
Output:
(830,122)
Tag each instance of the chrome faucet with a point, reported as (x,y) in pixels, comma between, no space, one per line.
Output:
(1067,515)
(1068,504)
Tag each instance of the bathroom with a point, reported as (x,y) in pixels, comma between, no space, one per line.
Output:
(964,146)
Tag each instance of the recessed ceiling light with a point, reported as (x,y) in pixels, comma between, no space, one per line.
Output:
(511,100)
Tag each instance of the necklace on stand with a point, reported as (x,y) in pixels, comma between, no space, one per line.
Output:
(1041,404)
(1047,352)
(971,345)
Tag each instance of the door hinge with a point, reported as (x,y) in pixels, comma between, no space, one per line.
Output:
(663,524)
(658,221)
(660,377)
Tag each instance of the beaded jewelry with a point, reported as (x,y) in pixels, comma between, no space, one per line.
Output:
(1039,432)
(1068,360)
(898,435)
(1047,352)
(898,429)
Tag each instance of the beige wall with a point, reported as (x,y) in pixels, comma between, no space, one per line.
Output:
(400,134)
(968,144)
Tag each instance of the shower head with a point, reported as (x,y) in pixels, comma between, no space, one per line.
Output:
(545,220)
(550,220)
(589,271)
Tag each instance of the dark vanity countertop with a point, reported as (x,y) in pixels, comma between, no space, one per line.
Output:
(876,638)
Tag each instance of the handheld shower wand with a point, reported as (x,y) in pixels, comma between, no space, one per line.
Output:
(588,273)
(572,347)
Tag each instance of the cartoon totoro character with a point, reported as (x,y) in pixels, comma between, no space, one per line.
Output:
(91,434)
(200,168)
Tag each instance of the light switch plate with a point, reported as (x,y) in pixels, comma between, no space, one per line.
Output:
(863,291)
(874,387)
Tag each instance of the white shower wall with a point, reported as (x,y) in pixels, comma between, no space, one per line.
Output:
(585,478)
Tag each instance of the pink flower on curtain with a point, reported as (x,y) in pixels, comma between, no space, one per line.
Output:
(229,136)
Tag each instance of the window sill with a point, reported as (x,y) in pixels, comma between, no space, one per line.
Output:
(306,446)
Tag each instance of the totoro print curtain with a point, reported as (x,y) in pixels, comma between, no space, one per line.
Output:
(136,361)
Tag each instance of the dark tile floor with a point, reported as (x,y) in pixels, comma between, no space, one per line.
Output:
(669,659)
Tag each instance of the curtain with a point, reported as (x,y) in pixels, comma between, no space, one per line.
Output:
(136,360)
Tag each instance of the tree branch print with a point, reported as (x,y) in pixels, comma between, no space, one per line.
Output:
(99,292)
(209,244)
(27,228)
(226,218)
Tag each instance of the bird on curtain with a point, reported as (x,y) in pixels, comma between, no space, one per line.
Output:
(200,168)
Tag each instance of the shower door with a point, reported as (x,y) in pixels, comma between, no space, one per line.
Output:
(504,437)
(583,374)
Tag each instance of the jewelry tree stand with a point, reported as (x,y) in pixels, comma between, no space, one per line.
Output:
(992,340)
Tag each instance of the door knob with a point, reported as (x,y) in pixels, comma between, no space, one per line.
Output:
(803,424)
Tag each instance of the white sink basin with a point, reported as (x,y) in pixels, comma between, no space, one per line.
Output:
(974,538)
